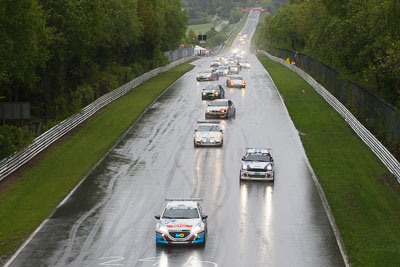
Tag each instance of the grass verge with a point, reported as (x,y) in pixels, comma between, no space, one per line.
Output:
(201,28)
(26,203)
(363,195)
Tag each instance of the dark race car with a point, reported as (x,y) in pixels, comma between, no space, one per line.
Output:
(212,91)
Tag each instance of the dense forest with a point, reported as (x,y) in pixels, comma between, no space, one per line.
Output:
(60,55)
(200,10)
(361,38)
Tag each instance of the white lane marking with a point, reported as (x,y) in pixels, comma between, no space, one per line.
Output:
(111,261)
(191,262)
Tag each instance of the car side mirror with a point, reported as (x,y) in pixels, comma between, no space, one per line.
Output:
(220,131)
(203,217)
(157,217)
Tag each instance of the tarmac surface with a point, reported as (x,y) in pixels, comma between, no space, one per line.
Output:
(109,220)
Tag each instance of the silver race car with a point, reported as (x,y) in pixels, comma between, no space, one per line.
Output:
(208,133)
(207,75)
(257,164)
(220,108)
(235,81)
(182,222)
(244,65)
(223,71)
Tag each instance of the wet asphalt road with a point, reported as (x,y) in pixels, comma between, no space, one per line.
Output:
(109,220)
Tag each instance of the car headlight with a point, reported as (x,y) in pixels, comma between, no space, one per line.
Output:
(196,229)
(244,167)
(197,135)
(204,93)
(269,167)
(163,230)
(219,135)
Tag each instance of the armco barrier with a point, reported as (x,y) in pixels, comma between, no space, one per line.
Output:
(380,151)
(12,163)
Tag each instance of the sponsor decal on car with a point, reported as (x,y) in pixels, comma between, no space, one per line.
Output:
(179,226)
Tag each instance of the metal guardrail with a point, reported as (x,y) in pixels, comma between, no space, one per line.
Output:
(222,47)
(12,163)
(369,139)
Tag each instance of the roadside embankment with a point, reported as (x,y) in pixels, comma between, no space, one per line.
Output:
(363,196)
(25,203)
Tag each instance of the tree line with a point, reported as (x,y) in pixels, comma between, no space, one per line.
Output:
(361,38)
(60,55)
(200,11)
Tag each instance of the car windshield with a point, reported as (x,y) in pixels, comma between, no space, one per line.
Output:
(208,128)
(218,104)
(257,157)
(181,213)
(205,71)
(211,87)
(236,78)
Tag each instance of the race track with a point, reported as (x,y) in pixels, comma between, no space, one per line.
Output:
(109,220)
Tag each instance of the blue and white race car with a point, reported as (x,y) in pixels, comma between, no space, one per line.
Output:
(182,222)
(257,164)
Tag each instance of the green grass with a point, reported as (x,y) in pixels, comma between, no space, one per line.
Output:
(26,203)
(363,195)
(235,34)
(201,28)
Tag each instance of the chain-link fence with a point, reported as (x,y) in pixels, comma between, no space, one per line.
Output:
(379,117)
(179,53)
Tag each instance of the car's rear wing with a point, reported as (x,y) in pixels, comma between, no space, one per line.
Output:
(183,199)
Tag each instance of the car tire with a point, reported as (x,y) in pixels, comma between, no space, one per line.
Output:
(222,144)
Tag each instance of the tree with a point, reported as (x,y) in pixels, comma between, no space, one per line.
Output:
(23,48)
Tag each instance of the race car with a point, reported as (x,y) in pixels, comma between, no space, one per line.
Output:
(207,75)
(208,133)
(215,63)
(223,71)
(235,81)
(244,65)
(257,164)
(220,108)
(212,91)
(182,222)
(234,69)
